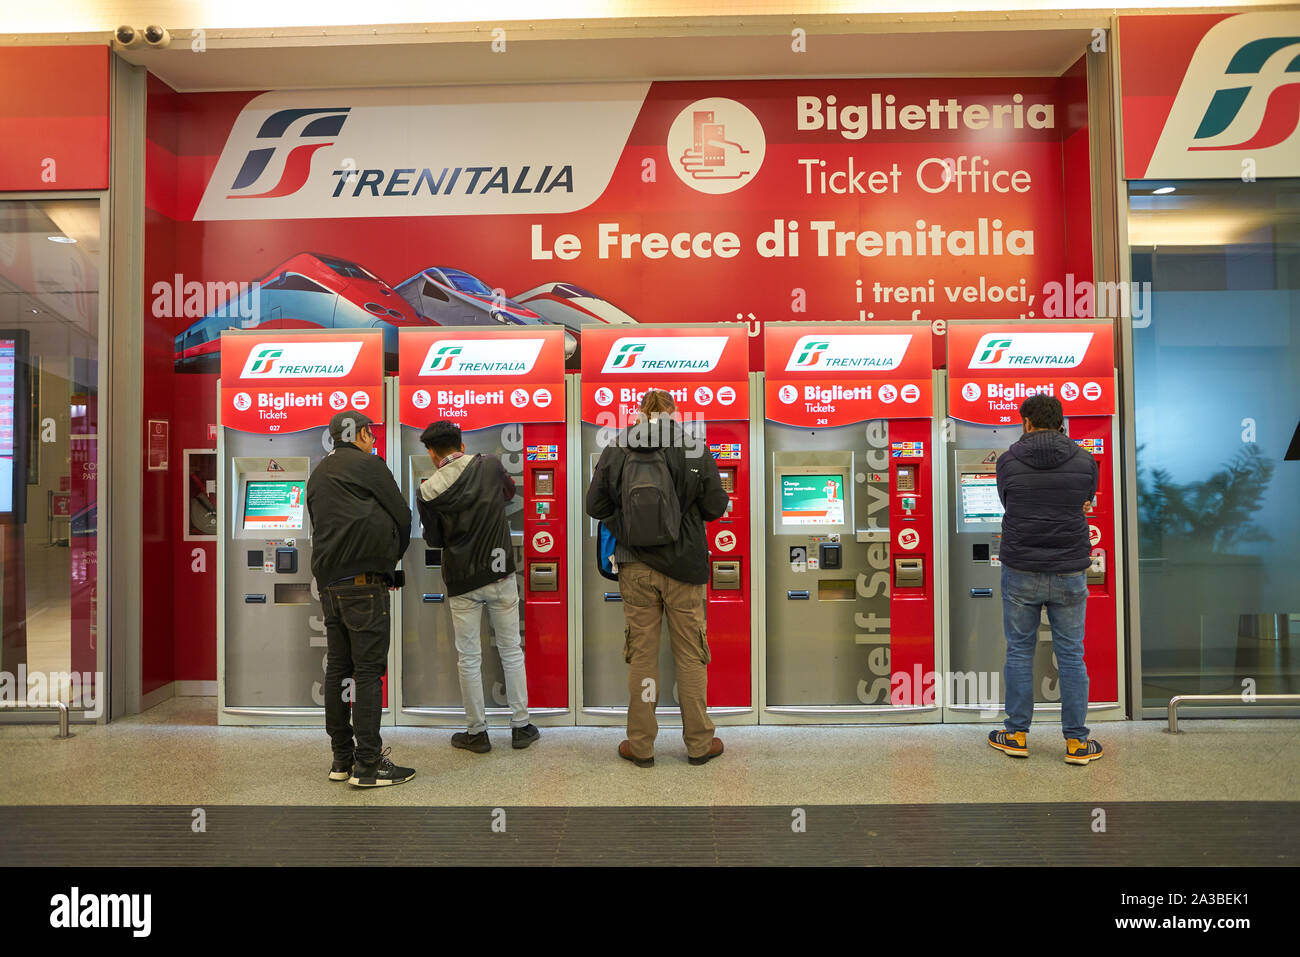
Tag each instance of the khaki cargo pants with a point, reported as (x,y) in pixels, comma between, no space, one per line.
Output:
(647,594)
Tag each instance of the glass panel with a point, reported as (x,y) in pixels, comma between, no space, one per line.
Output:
(49,332)
(1217,382)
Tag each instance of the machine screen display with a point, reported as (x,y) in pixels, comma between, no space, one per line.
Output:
(980,504)
(8,398)
(812,499)
(274,506)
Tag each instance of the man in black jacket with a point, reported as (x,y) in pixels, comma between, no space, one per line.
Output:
(462,508)
(1046,483)
(361,526)
(669,577)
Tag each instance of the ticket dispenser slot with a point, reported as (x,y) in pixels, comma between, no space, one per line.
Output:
(543,576)
(909,572)
(1097,570)
(726,576)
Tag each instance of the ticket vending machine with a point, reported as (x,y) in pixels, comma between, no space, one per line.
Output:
(705,368)
(849,629)
(992,368)
(277,392)
(505,389)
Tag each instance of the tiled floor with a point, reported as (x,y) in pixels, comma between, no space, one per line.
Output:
(175,754)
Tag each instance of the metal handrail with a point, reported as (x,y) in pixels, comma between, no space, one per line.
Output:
(58,706)
(1178,699)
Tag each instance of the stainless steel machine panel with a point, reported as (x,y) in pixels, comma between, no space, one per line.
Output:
(977,642)
(828,587)
(430,673)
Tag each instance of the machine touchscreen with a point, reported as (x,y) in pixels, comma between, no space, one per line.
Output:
(274,506)
(978,507)
(810,500)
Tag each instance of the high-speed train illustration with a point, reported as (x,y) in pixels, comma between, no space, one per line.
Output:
(573,307)
(309,290)
(453,297)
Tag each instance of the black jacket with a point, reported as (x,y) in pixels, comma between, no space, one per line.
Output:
(360,522)
(1043,480)
(699,490)
(462,507)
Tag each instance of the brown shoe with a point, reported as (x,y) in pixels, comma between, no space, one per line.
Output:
(715,748)
(625,752)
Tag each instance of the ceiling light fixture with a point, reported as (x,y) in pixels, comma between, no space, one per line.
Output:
(60,239)
(1164,190)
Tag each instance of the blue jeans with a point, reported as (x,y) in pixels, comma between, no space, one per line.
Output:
(502,601)
(1066,596)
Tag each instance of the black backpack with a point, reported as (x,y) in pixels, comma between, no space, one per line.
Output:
(652,515)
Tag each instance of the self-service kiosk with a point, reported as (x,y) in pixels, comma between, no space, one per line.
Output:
(992,368)
(277,392)
(505,389)
(705,368)
(849,578)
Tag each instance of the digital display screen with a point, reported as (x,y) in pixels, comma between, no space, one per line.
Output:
(979,502)
(8,403)
(274,506)
(812,499)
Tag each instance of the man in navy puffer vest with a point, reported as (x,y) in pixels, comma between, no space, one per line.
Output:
(1045,482)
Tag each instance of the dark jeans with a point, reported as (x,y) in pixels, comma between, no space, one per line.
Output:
(357,637)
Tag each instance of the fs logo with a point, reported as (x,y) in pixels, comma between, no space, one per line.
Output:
(264,361)
(287,129)
(1237,112)
(625,358)
(993,350)
(811,353)
(1281,93)
(442,358)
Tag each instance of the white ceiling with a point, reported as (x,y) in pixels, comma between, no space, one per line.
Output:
(565,53)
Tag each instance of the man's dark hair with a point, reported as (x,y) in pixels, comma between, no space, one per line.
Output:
(442,437)
(1042,412)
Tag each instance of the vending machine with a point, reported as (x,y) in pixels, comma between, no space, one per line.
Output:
(992,368)
(505,389)
(849,445)
(277,393)
(705,368)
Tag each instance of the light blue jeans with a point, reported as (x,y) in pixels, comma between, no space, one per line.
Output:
(502,601)
(1066,596)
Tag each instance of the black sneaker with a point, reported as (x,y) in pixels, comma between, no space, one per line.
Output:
(478,743)
(380,774)
(523,737)
(341,769)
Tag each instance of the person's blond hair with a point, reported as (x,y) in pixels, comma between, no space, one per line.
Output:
(657,402)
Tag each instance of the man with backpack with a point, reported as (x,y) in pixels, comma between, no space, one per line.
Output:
(462,508)
(655,496)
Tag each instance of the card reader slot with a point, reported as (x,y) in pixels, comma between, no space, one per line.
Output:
(981,592)
(613,596)
(797,594)
(432,598)
(255,599)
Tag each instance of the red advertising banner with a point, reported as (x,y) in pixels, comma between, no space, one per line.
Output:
(619,363)
(994,366)
(286,382)
(54,117)
(847,372)
(1211,96)
(481,377)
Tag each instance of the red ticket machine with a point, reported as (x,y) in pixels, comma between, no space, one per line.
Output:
(505,389)
(705,368)
(992,368)
(849,578)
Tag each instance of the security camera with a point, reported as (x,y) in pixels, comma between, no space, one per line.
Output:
(127,37)
(156,36)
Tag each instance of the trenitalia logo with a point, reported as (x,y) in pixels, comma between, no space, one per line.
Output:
(840,353)
(1237,111)
(1280,93)
(1030,350)
(481,357)
(300,360)
(669,354)
(286,128)
(386,152)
